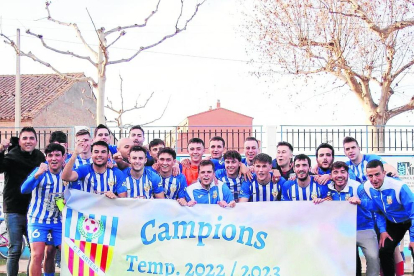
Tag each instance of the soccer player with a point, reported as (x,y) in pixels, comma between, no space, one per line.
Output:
(173,185)
(59,137)
(85,157)
(195,150)
(44,183)
(358,161)
(325,154)
(205,192)
(142,182)
(96,177)
(102,133)
(16,166)
(304,187)
(123,149)
(230,175)
(217,147)
(393,203)
(136,133)
(262,187)
(342,188)
(154,147)
(283,161)
(251,149)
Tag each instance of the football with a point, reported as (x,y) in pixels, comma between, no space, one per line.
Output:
(90,226)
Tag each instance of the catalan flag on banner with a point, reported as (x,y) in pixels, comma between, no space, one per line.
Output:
(89,242)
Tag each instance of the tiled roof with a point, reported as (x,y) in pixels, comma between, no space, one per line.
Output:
(37,92)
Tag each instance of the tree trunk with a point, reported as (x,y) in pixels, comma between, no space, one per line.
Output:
(100,96)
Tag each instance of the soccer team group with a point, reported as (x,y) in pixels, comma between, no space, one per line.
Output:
(385,205)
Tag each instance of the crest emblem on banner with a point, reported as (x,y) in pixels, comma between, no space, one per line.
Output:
(89,243)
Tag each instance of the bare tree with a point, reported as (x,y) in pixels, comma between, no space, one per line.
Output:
(118,120)
(369,45)
(100,58)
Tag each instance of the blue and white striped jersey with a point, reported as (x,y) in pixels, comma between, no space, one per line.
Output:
(216,192)
(113,149)
(218,163)
(292,191)
(256,192)
(174,186)
(92,182)
(79,162)
(234,184)
(359,170)
(42,208)
(146,186)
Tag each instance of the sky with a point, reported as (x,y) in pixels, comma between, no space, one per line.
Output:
(189,72)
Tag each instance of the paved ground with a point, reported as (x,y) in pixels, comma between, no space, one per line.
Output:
(22,267)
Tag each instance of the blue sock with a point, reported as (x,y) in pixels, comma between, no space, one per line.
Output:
(49,274)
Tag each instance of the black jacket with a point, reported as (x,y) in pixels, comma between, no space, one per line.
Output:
(17,165)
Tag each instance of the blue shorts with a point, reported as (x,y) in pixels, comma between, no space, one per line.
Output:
(47,233)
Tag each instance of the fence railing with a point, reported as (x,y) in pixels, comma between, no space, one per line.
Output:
(371,139)
(176,137)
(304,138)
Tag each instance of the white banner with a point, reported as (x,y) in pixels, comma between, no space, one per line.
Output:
(103,236)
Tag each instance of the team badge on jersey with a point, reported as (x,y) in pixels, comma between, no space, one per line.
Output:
(173,188)
(160,184)
(147,187)
(111,181)
(314,195)
(274,192)
(389,200)
(84,232)
(215,194)
(347,196)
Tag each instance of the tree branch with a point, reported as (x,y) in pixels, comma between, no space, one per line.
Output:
(120,35)
(398,110)
(32,56)
(117,29)
(402,69)
(78,32)
(384,33)
(162,114)
(58,51)
(177,31)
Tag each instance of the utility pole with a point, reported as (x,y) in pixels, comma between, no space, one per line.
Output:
(17,99)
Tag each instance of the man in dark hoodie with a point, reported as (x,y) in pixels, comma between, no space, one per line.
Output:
(16,165)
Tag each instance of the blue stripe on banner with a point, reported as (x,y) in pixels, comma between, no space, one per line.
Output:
(68,221)
(114,229)
(77,233)
(101,237)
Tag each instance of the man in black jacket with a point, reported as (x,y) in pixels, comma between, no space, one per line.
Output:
(16,165)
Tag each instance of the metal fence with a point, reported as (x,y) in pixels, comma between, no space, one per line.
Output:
(176,137)
(309,137)
(304,138)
